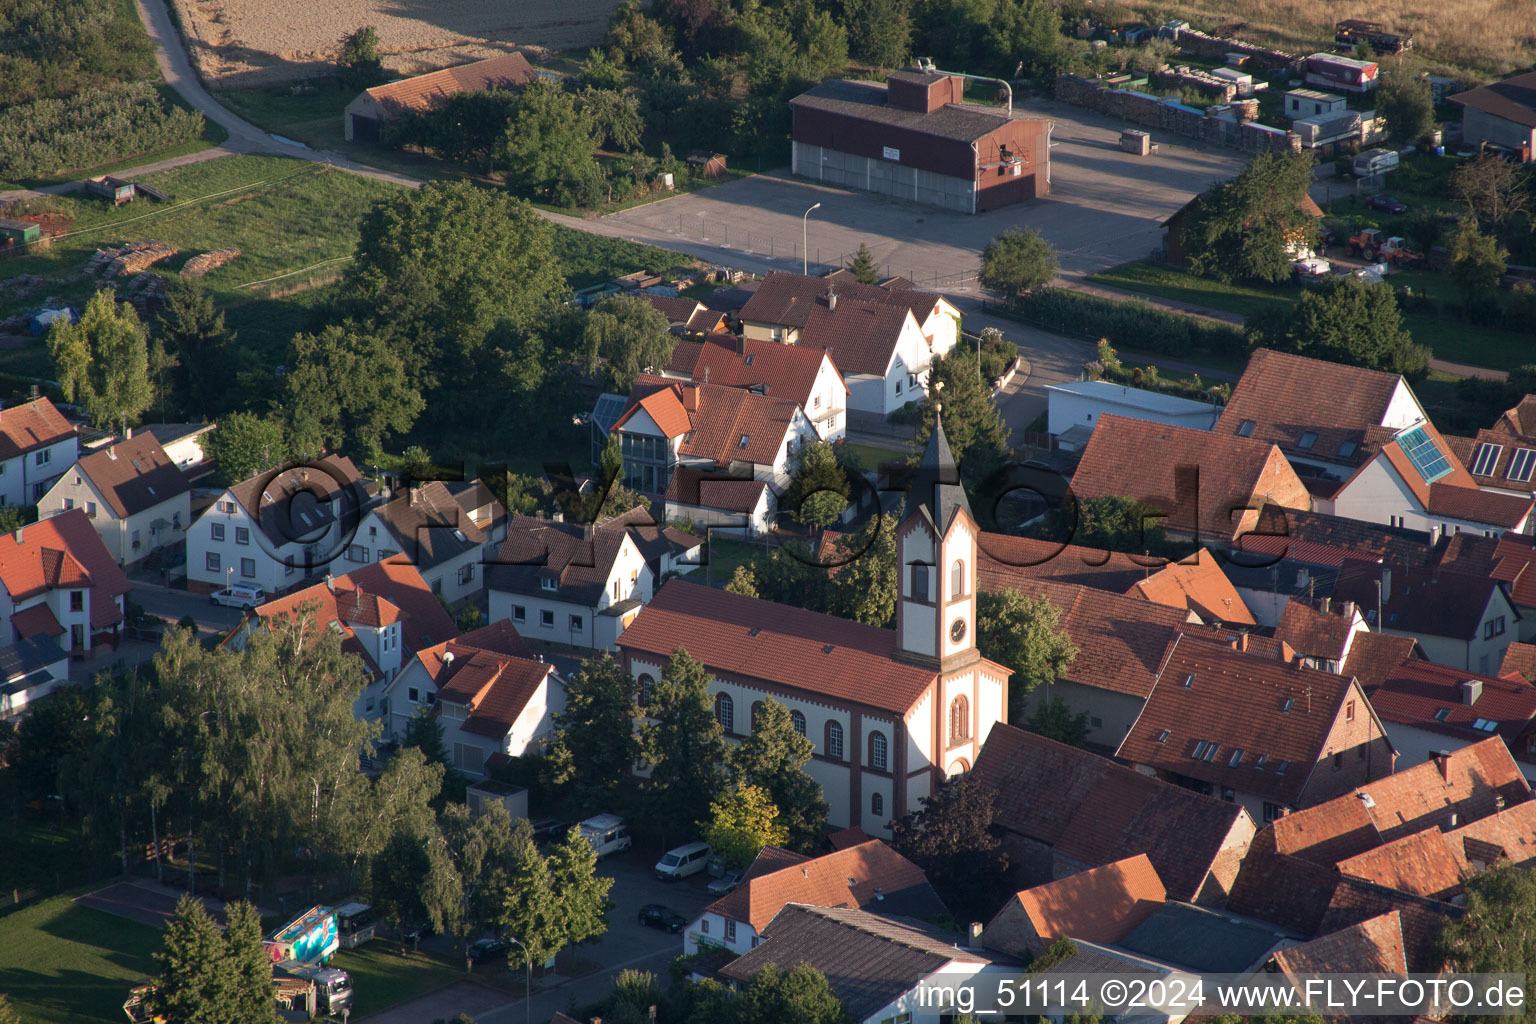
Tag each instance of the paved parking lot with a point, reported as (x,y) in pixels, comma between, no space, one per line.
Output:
(1105,208)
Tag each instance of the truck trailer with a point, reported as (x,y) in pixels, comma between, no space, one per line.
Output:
(311,937)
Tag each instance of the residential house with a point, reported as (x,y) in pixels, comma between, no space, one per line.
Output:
(708,427)
(869,876)
(1062,810)
(1503,457)
(1519,662)
(494,705)
(37,444)
(29,671)
(277,529)
(666,549)
(366,115)
(807,375)
(135,495)
(1101,905)
(1462,620)
(1429,709)
(1501,114)
(385,613)
(688,318)
(1207,486)
(1196,584)
(60,584)
(413,690)
(1271,735)
(183,444)
(482,506)
(1513,563)
(1322,632)
(568,583)
(890,713)
(881,337)
(875,965)
(435,534)
(1073,408)
(1374,946)
(728,505)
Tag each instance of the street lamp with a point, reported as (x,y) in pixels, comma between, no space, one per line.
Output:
(527,977)
(805,256)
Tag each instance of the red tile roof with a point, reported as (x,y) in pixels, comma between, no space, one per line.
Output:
(38,620)
(1374,656)
(303,492)
(1103,904)
(63,552)
(1159,464)
(1374,946)
(1093,811)
(1199,587)
(371,596)
(430,91)
(1513,99)
(788,299)
(1275,718)
(857,877)
(1421,919)
(1005,559)
(1511,833)
(853,835)
(752,638)
(1435,698)
(1519,662)
(494,687)
(1418,600)
(860,336)
(724,418)
(783,371)
(1478,506)
(1315,538)
(1513,562)
(34,425)
(715,490)
(1285,396)
(134,475)
(429,525)
(1424,864)
(1315,632)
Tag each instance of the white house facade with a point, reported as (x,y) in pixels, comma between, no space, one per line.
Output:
(37,444)
(138,500)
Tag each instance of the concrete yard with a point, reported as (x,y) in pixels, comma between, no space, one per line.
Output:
(1105,208)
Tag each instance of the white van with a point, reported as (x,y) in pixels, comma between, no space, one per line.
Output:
(241,595)
(683,861)
(1370,162)
(607,833)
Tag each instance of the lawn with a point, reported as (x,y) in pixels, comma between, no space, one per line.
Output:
(872,458)
(67,963)
(383,977)
(589,259)
(1167,282)
(36,852)
(724,555)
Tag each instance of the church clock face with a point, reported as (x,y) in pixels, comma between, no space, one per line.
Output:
(957,630)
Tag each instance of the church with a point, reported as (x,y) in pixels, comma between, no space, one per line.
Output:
(890,713)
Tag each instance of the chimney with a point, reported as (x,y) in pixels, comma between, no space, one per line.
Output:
(1471,690)
(330,583)
(17,533)
(1348,607)
(586,531)
(1327,604)
(1442,759)
(415,495)
(112,452)
(832,300)
(1434,533)
(741,344)
(557,517)
(127,433)
(691,397)
(973,935)
(1242,641)
(706,375)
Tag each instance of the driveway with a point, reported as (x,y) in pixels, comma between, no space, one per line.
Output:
(627,945)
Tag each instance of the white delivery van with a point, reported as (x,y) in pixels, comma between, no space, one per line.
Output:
(683,861)
(1371,162)
(607,833)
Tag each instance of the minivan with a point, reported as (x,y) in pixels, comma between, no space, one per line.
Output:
(683,861)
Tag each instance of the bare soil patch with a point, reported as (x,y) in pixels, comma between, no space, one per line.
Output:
(250,42)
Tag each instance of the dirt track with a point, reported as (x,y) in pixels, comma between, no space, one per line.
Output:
(248,42)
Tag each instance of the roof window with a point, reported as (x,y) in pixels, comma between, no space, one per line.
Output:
(1245,429)
(1286,705)
(1485,725)
(1487,459)
(1162,736)
(1347,449)
(1236,759)
(743,442)
(1307,441)
(1521,464)
(1441,714)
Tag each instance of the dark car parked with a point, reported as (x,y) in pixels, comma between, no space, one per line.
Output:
(654,915)
(485,951)
(1386,204)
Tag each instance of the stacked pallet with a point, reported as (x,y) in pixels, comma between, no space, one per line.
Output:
(199,265)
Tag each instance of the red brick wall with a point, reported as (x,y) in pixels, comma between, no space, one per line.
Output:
(1360,749)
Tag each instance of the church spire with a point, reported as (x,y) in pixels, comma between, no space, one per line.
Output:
(936,484)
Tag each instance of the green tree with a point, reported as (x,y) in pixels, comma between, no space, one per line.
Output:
(1347,320)
(1024,634)
(598,72)
(193,332)
(1054,720)
(863,266)
(244,444)
(481,851)
(596,746)
(741,822)
(547,149)
(800,994)
(1498,932)
(743,581)
(1477,263)
(532,910)
(950,838)
(195,983)
(864,587)
(772,759)
(358,58)
(1108,524)
(582,892)
(624,337)
(1017,262)
(819,489)
(879,32)
(424,732)
(347,388)
(398,801)
(615,115)
(1245,228)
(415,882)
(248,967)
(1026,31)
(684,744)
(637,41)
(437,267)
(102,361)
(1404,99)
(973,426)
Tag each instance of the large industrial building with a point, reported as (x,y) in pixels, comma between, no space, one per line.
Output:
(915,138)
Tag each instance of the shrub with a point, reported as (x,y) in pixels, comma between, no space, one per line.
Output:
(1131,323)
(92,127)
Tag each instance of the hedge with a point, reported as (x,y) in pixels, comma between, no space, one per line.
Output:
(92,127)
(1127,323)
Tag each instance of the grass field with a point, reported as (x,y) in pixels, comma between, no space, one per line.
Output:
(382,976)
(871,458)
(37,853)
(60,962)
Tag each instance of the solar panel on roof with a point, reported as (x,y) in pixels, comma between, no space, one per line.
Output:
(1425,455)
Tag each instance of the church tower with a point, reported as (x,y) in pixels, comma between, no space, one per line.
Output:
(936,546)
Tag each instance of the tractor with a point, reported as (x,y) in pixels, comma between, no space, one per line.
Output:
(1371,245)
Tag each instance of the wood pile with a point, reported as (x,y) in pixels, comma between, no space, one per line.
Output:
(199,265)
(22,285)
(145,292)
(128,259)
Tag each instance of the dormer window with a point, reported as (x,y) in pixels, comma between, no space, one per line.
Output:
(1307,441)
(1347,449)
(549,583)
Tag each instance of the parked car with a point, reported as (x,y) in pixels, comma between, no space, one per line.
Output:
(725,884)
(485,951)
(241,595)
(654,915)
(550,830)
(683,861)
(1386,204)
